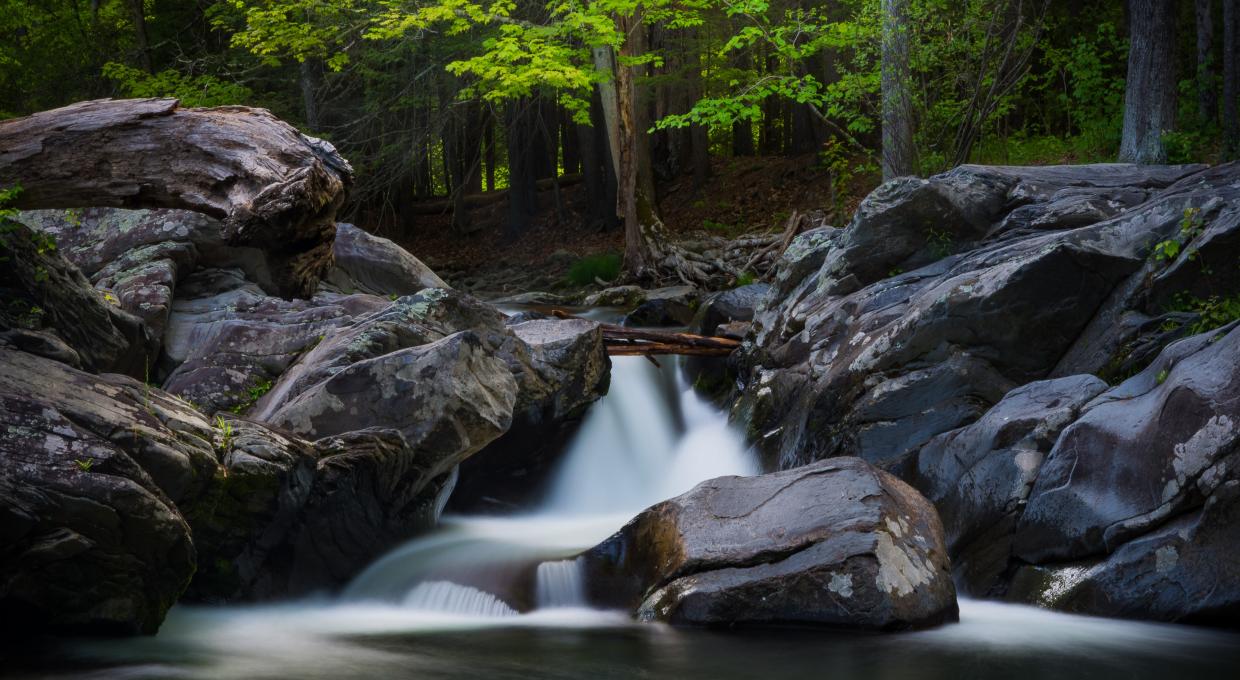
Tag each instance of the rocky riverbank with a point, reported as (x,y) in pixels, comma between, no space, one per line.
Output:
(1017,383)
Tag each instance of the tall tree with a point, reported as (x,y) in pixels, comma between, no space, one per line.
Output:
(1149,97)
(899,153)
(1231,78)
(1207,92)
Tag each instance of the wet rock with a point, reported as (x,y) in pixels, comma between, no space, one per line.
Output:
(91,538)
(571,361)
(1010,309)
(617,296)
(728,306)
(837,543)
(363,263)
(979,476)
(1154,448)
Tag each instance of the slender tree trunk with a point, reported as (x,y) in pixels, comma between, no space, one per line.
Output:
(1149,99)
(489,140)
(1231,78)
(1207,95)
(899,152)
(137,10)
(309,79)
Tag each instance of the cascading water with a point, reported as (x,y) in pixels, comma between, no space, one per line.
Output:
(450,605)
(560,583)
(649,439)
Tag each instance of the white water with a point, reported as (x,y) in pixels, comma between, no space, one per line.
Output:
(445,596)
(651,438)
(560,583)
(433,603)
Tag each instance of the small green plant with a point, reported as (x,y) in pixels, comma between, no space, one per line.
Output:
(226,432)
(252,395)
(84,464)
(1191,226)
(393,297)
(602,266)
(744,279)
(1161,377)
(940,242)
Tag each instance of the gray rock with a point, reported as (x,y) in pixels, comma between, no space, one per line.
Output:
(1141,454)
(737,304)
(48,306)
(91,538)
(837,543)
(227,341)
(572,364)
(979,476)
(1015,307)
(363,263)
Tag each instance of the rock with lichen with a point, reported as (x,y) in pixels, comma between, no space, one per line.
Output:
(837,543)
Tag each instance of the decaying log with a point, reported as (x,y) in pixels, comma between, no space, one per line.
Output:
(626,341)
(272,187)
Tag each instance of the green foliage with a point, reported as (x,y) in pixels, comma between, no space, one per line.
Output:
(252,395)
(200,90)
(744,279)
(1190,227)
(602,266)
(1212,312)
(84,464)
(940,242)
(226,433)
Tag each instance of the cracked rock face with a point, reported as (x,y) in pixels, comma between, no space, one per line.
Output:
(844,360)
(837,543)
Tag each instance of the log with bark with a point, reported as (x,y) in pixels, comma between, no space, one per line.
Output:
(272,187)
(626,341)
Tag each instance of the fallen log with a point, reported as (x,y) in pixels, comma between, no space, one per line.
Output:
(626,341)
(272,187)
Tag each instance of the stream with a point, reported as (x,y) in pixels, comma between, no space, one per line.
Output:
(501,597)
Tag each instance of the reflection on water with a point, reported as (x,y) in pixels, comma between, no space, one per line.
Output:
(386,641)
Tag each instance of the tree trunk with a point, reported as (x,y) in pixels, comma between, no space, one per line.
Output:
(1207,95)
(1149,99)
(308,75)
(273,187)
(1231,78)
(523,191)
(137,10)
(899,153)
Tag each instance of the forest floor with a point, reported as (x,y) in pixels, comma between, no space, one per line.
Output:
(745,195)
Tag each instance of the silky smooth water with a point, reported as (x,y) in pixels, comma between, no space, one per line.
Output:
(500,597)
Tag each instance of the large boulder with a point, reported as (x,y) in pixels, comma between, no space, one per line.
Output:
(92,469)
(878,369)
(1135,510)
(227,341)
(837,543)
(558,368)
(365,263)
(979,476)
(571,362)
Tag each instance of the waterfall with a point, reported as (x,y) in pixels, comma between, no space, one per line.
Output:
(451,598)
(560,584)
(650,438)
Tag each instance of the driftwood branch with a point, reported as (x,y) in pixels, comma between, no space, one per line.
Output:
(625,341)
(272,187)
